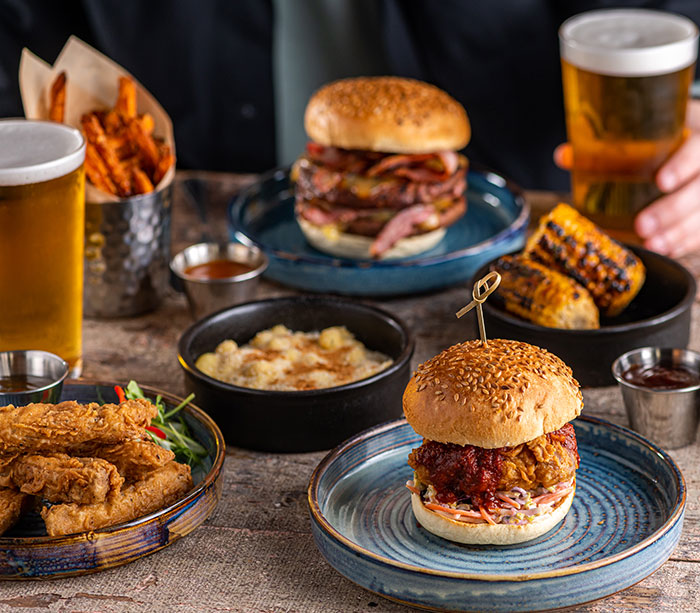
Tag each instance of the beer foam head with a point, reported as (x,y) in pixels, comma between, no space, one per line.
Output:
(35,151)
(629,42)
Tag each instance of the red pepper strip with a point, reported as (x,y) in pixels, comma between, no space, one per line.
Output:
(120,394)
(157,431)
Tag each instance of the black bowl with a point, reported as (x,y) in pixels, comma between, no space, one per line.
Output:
(304,420)
(659,316)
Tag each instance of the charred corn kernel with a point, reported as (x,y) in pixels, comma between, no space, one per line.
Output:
(544,296)
(573,245)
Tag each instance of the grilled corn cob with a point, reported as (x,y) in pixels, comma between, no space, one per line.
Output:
(544,296)
(575,246)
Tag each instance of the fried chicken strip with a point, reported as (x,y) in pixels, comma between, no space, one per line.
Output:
(12,504)
(134,459)
(58,428)
(6,463)
(159,489)
(61,478)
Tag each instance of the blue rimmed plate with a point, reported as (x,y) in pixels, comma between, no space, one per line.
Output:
(625,520)
(27,553)
(495,223)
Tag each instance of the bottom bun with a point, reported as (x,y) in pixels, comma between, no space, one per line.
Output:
(356,246)
(487,534)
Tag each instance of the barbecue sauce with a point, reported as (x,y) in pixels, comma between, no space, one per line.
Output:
(23,383)
(459,472)
(217,269)
(662,377)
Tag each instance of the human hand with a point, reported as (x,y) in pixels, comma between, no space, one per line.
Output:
(671,224)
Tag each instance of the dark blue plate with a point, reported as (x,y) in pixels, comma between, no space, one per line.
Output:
(625,520)
(495,223)
(27,553)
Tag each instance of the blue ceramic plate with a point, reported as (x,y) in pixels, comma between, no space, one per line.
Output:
(27,553)
(495,223)
(625,521)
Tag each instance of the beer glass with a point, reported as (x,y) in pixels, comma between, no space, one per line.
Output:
(626,77)
(42,217)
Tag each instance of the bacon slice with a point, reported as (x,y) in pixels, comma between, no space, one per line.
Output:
(392,162)
(450,161)
(400,226)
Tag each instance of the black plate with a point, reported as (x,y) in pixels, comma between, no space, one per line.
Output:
(659,316)
(305,420)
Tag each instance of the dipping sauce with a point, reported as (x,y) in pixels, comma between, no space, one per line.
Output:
(23,383)
(662,377)
(217,269)
(283,360)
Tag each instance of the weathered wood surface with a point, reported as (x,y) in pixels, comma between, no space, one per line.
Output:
(256,553)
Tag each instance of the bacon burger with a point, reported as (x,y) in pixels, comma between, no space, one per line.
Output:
(381,177)
(498,460)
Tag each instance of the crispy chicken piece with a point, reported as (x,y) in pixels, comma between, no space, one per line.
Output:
(6,470)
(134,459)
(12,503)
(544,461)
(55,428)
(458,472)
(61,478)
(159,489)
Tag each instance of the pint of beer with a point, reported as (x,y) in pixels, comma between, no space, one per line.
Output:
(42,217)
(626,76)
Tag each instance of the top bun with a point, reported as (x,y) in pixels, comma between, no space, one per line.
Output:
(500,394)
(387,114)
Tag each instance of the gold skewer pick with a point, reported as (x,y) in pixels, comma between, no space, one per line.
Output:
(479,297)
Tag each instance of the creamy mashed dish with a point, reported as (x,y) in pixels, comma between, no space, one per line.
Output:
(283,360)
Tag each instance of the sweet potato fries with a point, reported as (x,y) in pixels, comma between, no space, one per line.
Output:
(123,157)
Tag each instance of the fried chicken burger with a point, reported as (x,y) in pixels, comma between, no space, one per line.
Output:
(381,177)
(498,460)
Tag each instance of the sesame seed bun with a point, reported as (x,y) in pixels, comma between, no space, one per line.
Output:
(357,247)
(387,114)
(500,394)
(487,534)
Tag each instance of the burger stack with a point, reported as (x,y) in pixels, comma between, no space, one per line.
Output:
(381,177)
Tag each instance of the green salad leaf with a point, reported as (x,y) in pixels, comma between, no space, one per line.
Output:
(169,429)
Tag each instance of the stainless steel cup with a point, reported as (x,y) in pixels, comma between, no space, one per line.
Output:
(208,295)
(127,249)
(46,367)
(669,417)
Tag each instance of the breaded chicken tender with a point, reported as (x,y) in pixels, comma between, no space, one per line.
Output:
(62,478)
(134,459)
(12,504)
(159,489)
(61,427)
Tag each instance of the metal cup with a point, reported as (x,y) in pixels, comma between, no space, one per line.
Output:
(669,417)
(127,248)
(208,295)
(41,364)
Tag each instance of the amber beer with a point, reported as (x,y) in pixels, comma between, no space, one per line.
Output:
(42,216)
(626,77)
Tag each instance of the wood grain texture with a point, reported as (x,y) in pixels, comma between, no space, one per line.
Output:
(256,553)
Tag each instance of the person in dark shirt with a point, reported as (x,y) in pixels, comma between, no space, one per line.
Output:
(234,76)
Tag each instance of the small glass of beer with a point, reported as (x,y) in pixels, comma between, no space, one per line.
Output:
(626,77)
(42,218)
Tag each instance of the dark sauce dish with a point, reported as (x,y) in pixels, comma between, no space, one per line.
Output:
(658,316)
(296,421)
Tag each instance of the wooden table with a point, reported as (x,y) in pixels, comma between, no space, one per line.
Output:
(256,553)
